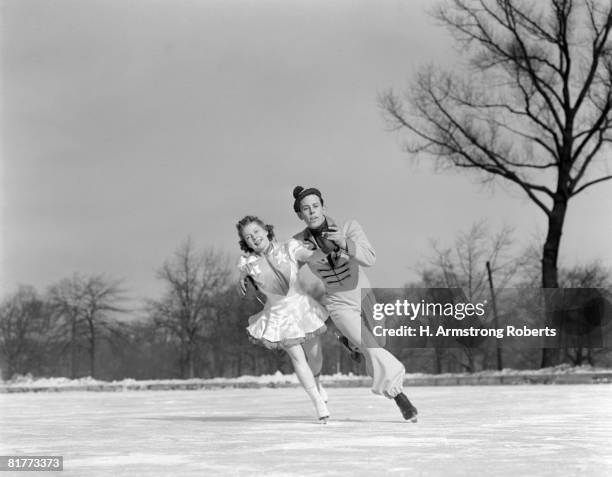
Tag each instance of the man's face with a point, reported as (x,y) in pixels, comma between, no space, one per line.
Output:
(312,212)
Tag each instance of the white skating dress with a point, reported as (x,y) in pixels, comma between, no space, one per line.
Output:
(290,316)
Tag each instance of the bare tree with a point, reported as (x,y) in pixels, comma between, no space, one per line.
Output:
(463,265)
(86,308)
(188,309)
(590,275)
(23,319)
(534,108)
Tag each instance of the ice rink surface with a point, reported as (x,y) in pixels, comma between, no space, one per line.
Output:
(465,430)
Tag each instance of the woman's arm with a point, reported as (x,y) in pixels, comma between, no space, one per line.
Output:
(244,274)
(304,251)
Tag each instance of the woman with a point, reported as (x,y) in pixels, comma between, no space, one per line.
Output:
(290,317)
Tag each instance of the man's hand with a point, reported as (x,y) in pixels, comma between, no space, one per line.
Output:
(336,236)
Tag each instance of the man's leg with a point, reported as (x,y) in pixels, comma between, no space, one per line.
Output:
(385,369)
(343,340)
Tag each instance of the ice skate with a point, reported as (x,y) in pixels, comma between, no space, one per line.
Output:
(322,412)
(408,410)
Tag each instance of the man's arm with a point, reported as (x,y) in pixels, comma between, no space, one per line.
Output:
(358,245)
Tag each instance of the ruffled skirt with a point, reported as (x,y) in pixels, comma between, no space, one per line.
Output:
(291,320)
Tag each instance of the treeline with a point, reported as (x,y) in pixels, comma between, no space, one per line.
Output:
(84,325)
(480,258)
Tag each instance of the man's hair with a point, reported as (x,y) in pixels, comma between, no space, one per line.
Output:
(299,193)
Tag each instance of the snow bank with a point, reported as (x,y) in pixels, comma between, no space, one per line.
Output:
(562,374)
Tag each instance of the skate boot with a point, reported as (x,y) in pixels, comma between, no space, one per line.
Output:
(408,410)
(322,412)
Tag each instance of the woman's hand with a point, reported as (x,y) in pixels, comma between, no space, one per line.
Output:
(242,286)
(307,244)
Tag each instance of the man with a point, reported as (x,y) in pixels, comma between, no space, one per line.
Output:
(347,249)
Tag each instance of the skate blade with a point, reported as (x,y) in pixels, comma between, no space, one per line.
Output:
(413,419)
(323,420)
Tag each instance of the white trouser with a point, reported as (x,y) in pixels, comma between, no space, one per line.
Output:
(385,369)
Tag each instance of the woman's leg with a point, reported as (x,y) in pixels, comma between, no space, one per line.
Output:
(304,374)
(314,355)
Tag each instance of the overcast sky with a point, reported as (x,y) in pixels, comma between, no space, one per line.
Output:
(129,125)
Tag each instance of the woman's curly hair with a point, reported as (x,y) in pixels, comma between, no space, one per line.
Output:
(242,223)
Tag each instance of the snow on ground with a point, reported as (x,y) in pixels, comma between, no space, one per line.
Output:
(28,381)
(462,430)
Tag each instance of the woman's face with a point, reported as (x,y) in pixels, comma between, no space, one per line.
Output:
(255,237)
